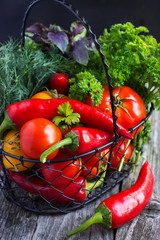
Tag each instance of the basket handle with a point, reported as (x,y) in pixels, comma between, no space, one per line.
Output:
(94,38)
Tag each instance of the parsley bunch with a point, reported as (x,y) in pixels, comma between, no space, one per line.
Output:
(133,58)
(83,84)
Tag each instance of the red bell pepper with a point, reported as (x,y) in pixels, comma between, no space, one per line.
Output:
(122,207)
(18,113)
(79,140)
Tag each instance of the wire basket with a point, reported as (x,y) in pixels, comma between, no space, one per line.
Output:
(97,171)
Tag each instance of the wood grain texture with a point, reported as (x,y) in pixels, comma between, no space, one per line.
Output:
(18,224)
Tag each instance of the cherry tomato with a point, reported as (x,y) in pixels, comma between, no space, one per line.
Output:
(60,82)
(11,145)
(94,164)
(119,151)
(42,95)
(37,135)
(130,108)
(62,172)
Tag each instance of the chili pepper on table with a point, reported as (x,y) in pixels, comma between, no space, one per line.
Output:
(18,113)
(75,191)
(79,140)
(122,207)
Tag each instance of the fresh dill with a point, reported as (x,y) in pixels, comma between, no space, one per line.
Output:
(23,70)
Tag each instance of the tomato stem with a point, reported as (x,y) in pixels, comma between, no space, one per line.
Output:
(119,103)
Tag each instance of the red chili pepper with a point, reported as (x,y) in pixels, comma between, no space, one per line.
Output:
(62,194)
(75,191)
(122,207)
(79,140)
(60,173)
(18,113)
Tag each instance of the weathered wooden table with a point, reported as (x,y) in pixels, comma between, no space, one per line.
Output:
(17,224)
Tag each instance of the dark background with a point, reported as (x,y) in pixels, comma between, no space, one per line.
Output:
(99,14)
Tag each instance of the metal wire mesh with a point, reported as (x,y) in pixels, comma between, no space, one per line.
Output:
(96,173)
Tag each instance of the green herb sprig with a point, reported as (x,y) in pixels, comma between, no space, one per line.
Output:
(67,116)
(83,84)
(133,58)
(23,70)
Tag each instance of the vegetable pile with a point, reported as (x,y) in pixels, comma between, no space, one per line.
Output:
(57,130)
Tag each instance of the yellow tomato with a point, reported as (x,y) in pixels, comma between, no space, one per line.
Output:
(11,145)
(42,95)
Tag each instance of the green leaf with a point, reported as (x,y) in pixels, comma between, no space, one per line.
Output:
(24,70)
(67,116)
(65,109)
(72,119)
(58,119)
(133,58)
(84,84)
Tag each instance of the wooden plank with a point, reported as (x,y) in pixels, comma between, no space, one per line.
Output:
(146,225)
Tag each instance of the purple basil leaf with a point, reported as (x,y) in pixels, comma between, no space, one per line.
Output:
(79,52)
(90,45)
(55,28)
(77,28)
(38,39)
(36,28)
(60,39)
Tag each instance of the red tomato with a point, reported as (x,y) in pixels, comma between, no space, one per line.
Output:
(60,82)
(130,107)
(62,172)
(118,152)
(37,135)
(94,164)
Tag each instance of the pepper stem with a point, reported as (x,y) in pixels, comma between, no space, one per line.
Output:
(96,218)
(6,124)
(45,154)
(103,216)
(71,141)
